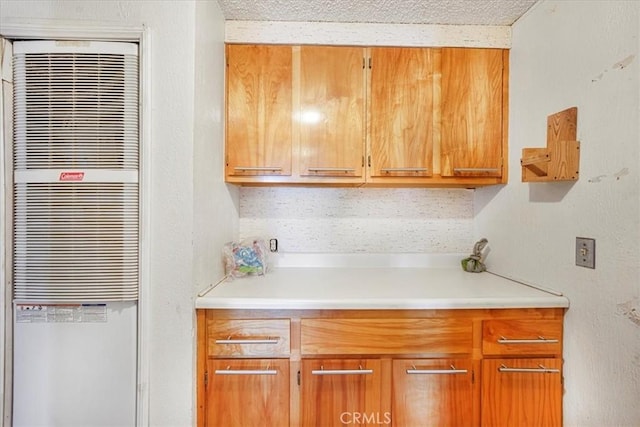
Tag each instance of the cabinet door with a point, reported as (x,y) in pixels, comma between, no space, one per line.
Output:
(332,111)
(522,392)
(248,392)
(436,393)
(259,107)
(337,392)
(402,105)
(472,106)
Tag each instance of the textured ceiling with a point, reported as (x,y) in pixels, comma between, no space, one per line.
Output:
(454,12)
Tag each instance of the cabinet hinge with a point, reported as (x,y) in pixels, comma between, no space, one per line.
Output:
(206,379)
(298,376)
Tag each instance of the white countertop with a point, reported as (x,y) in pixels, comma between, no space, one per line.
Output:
(397,282)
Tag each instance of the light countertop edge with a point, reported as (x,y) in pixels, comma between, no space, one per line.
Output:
(386,287)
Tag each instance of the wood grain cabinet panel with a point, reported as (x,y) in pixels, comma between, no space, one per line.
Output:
(403,368)
(432,393)
(522,392)
(341,115)
(472,112)
(259,102)
(332,111)
(248,337)
(522,337)
(402,106)
(243,393)
(338,392)
(386,336)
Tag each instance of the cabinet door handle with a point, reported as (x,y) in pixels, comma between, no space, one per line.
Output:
(541,369)
(257,168)
(404,170)
(245,372)
(233,341)
(539,340)
(453,370)
(476,170)
(359,371)
(345,170)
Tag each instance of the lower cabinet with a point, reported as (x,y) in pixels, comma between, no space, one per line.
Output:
(522,392)
(338,392)
(402,368)
(436,392)
(248,393)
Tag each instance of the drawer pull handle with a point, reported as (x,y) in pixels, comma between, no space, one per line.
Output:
(233,341)
(230,371)
(388,170)
(345,170)
(358,371)
(257,169)
(453,370)
(541,369)
(539,340)
(478,170)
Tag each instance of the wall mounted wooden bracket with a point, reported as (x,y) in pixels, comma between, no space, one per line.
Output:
(560,160)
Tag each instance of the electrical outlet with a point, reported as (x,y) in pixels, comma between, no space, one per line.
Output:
(585,252)
(273,245)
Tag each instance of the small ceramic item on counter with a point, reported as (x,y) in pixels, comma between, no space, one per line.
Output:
(248,257)
(474,263)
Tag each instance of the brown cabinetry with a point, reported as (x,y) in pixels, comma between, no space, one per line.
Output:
(258,120)
(522,373)
(246,379)
(473,112)
(337,392)
(402,112)
(337,115)
(432,392)
(465,367)
(252,392)
(332,112)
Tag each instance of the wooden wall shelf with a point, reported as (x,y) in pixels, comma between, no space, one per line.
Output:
(560,160)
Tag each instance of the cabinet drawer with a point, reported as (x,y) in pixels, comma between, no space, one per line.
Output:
(248,337)
(386,336)
(536,337)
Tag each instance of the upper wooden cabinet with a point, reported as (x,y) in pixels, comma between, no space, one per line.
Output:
(337,115)
(332,111)
(402,120)
(258,125)
(472,131)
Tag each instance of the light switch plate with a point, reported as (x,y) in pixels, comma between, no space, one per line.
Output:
(585,252)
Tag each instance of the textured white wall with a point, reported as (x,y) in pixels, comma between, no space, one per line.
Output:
(584,54)
(353,220)
(192,211)
(361,34)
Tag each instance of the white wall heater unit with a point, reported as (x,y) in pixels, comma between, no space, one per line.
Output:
(75,236)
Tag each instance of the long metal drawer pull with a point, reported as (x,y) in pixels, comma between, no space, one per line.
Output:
(453,370)
(404,170)
(230,340)
(230,371)
(476,170)
(345,170)
(257,168)
(358,371)
(541,369)
(539,340)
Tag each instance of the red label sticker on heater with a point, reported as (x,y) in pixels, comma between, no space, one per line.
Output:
(71,176)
